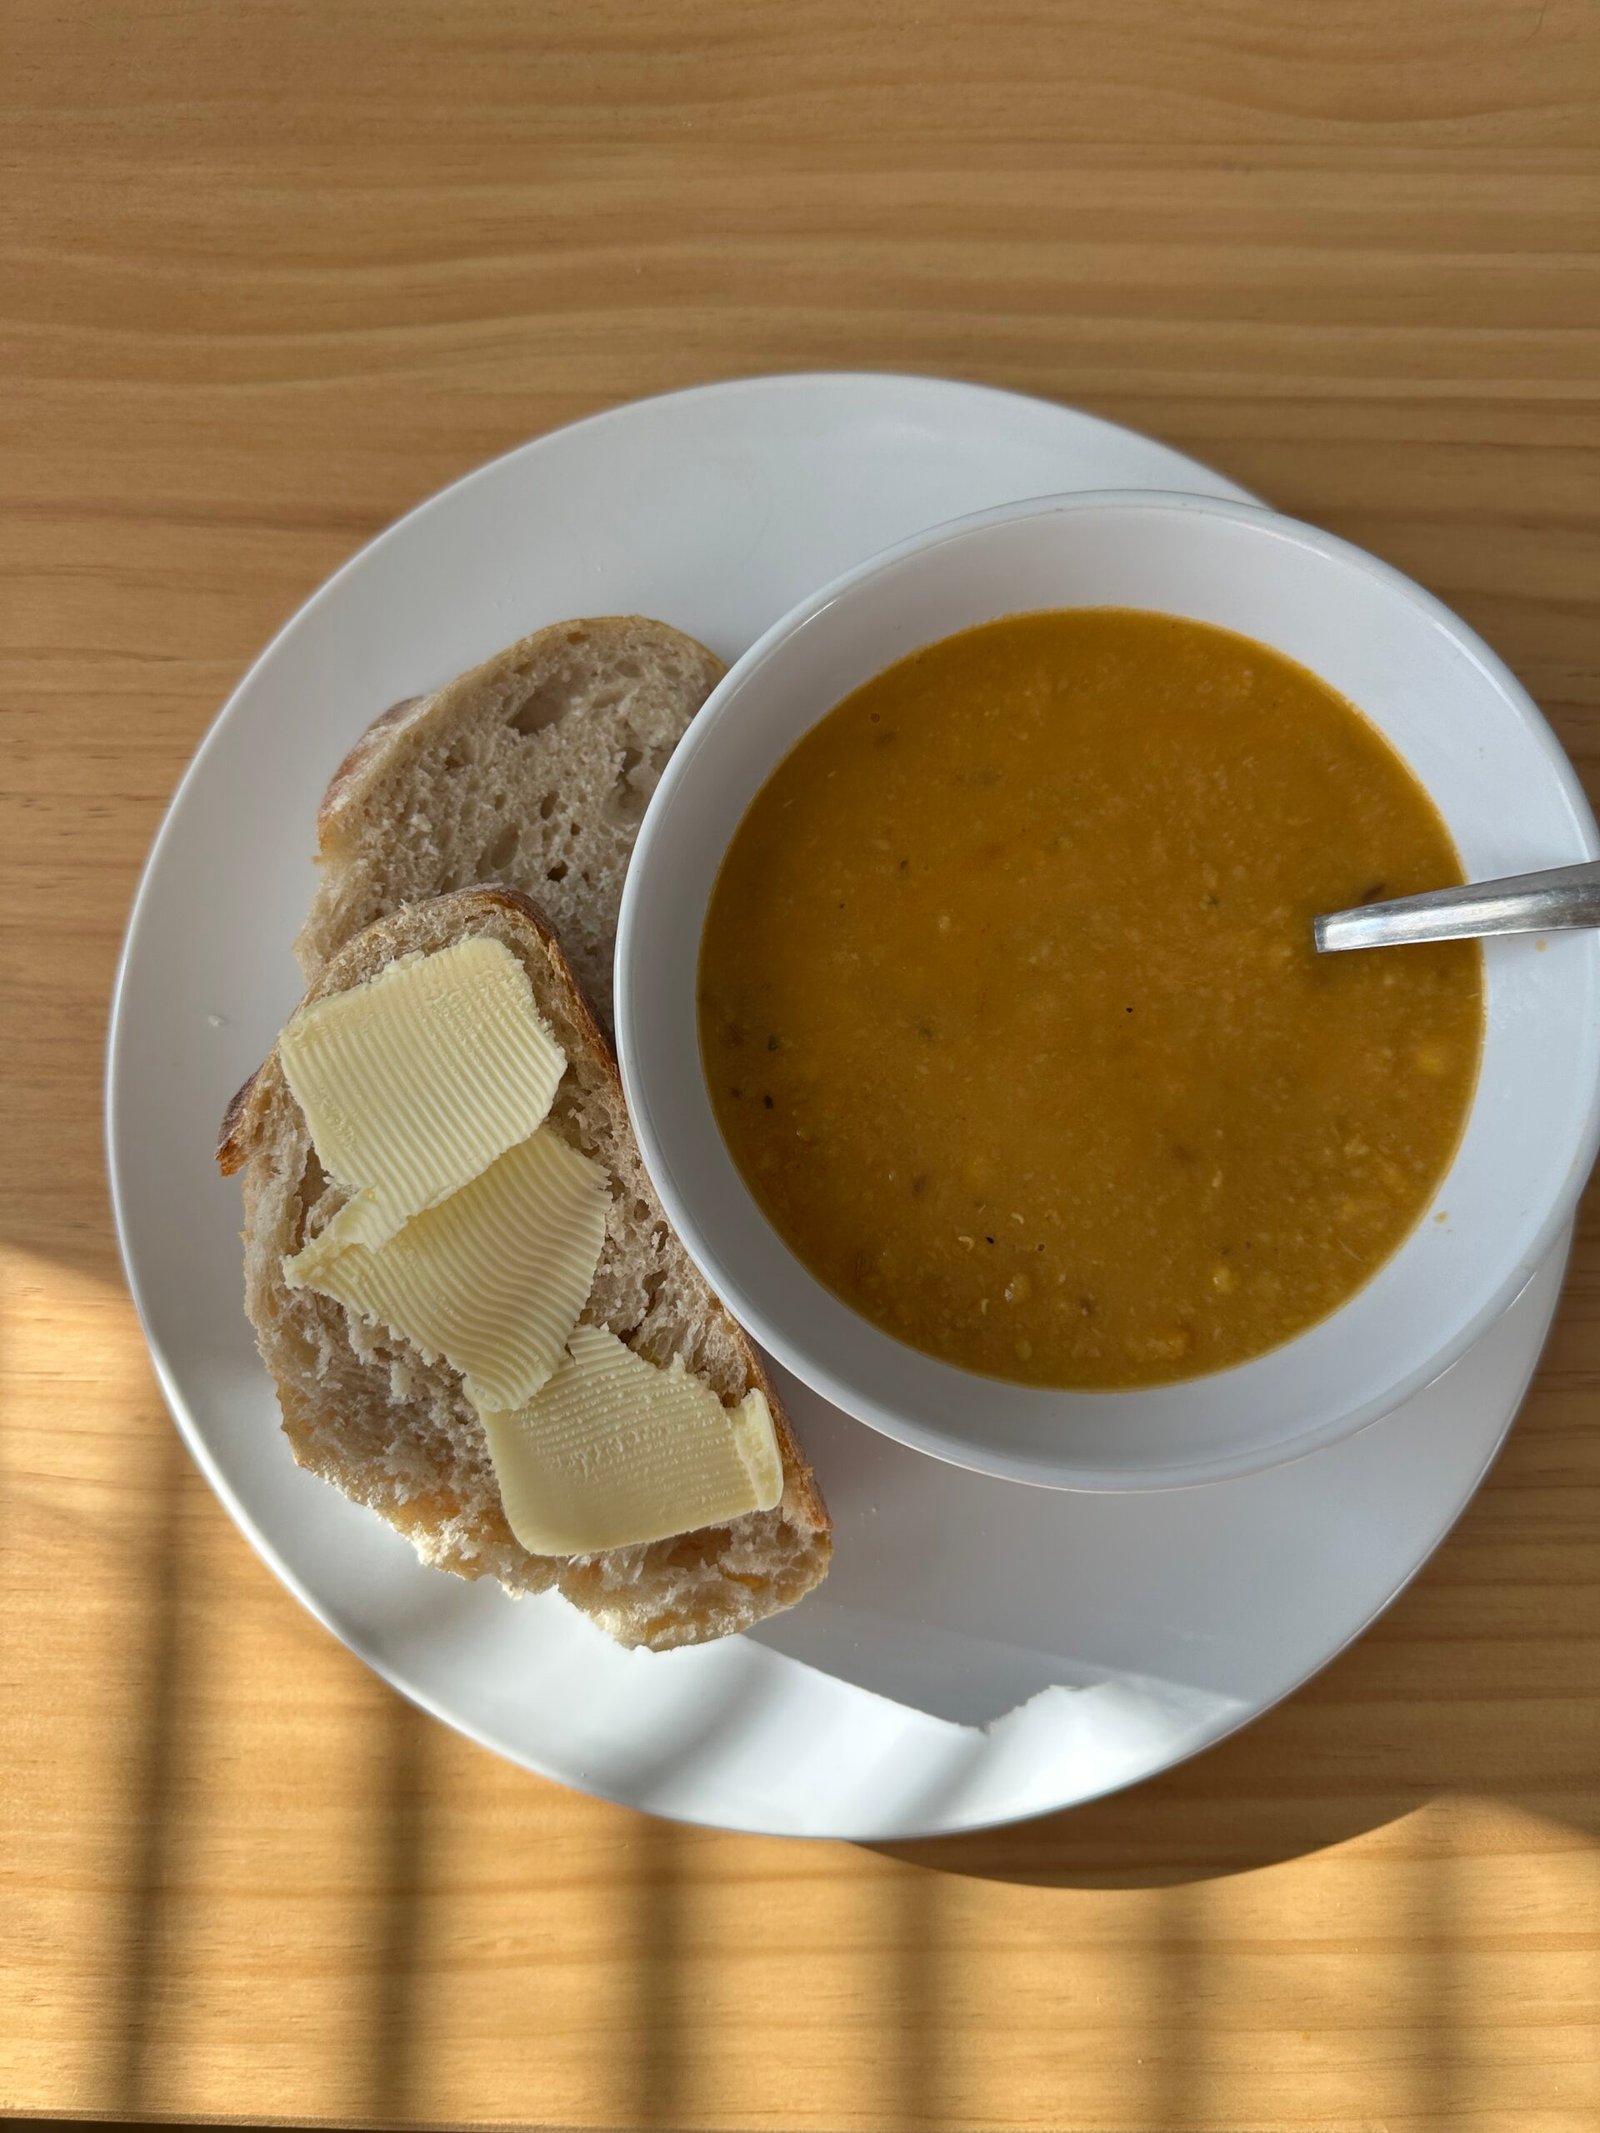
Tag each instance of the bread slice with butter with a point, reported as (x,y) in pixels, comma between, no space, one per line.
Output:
(367,1410)
(532,769)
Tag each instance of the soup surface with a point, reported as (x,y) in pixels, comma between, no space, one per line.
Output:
(1011,1017)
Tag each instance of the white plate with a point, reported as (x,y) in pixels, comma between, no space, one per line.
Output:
(981,1651)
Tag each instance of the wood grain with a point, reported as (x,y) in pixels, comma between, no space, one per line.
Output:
(273,272)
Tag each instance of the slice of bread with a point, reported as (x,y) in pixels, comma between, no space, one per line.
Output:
(361,1407)
(533,769)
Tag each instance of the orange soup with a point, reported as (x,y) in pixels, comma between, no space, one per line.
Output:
(1011,1017)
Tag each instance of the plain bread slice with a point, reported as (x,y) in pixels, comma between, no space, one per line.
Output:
(533,769)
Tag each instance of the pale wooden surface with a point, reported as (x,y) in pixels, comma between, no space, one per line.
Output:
(273,272)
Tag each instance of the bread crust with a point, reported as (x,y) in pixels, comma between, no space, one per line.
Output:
(358,758)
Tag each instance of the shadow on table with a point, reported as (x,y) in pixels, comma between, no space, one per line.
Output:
(1512,1718)
(1356,1749)
(1268,1794)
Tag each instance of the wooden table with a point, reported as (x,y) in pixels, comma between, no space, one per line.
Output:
(273,272)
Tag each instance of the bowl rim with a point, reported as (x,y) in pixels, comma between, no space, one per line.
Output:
(813,1368)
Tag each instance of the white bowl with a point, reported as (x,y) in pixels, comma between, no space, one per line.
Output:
(1468,730)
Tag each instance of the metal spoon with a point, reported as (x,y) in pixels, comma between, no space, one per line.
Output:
(1522,903)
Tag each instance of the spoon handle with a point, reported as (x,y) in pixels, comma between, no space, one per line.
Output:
(1522,903)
